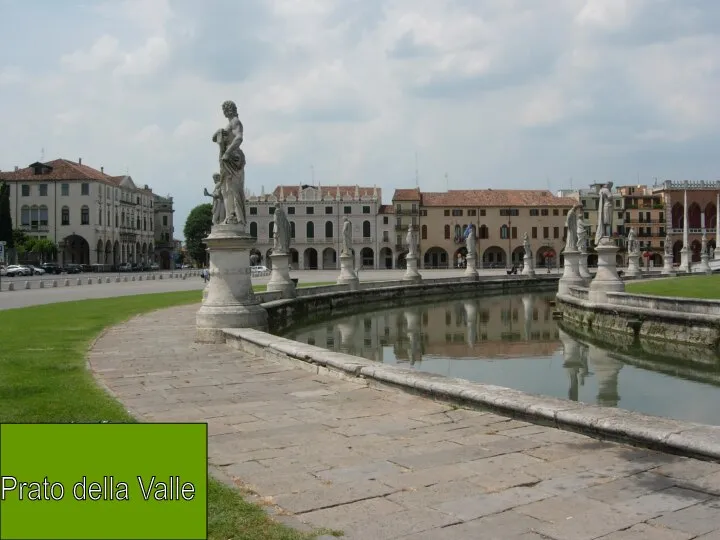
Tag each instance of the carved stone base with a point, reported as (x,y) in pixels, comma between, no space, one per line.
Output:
(228,299)
(633,268)
(411,273)
(704,266)
(717,253)
(347,270)
(528,266)
(606,279)
(684,260)
(571,276)
(583,267)
(470,268)
(280,275)
(667,269)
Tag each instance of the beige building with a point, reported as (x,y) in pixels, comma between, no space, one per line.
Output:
(94,218)
(165,249)
(316,215)
(500,217)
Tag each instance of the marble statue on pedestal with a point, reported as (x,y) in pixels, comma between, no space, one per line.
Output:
(633,246)
(605,214)
(218,205)
(411,242)
(346,237)
(232,165)
(582,237)
(526,245)
(668,246)
(470,244)
(281,242)
(571,223)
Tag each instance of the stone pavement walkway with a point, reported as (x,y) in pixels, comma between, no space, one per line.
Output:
(380,463)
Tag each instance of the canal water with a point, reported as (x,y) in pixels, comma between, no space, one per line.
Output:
(513,341)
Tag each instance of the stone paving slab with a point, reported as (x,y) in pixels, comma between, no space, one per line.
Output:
(379,463)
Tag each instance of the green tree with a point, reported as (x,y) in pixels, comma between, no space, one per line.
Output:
(6,226)
(197,228)
(42,247)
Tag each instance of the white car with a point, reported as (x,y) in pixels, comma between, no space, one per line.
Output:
(3,272)
(256,271)
(37,270)
(17,270)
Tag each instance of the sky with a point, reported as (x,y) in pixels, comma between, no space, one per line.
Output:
(459,94)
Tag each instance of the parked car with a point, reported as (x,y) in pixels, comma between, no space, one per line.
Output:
(257,271)
(186,266)
(154,266)
(15,270)
(36,270)
(52,268)
(3,271)
(73,268)
(127,267)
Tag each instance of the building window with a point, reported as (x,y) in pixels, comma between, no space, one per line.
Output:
(565,212)
(137,223)
(484,233)
(447,232)
(534,232)
(165,221)
(482,212)
(99,216)
(292,229)
(84,188)
(253,229)
(291,210)
(64,190)
(309,210)
(116,219)
(513,233)
(310,230)
(25,216)
(271,230)
(457,212)
(366,209)
(386,220)
(556,212)
(65,216)
(504,232)
(85,215)
(366,229)
(43,190)
(328,209)
(546,232)
(472,213)
(25,190)
(446,213)
(328,229)
(544,212)
(347,210)
(423,232)
(556,232)
(34,217)
(253,210)
(271,210)
(534,212)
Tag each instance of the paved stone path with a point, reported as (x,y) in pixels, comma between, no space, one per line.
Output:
(379,463)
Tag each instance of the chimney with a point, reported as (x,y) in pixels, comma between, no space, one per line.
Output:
(17,168)
(79,161)
(102,169)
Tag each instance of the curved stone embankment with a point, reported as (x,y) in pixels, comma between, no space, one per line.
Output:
(685,320)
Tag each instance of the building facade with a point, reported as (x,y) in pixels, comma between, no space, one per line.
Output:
(165,251)
(316,215)
(500,217)
(94,218)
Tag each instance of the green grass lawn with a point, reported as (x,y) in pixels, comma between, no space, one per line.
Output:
(685,286)
(44,378)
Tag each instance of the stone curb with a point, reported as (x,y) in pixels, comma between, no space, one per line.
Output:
(672,436)
(48,283)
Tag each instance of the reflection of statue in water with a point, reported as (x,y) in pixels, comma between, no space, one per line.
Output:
(668,245)
(605,213)
(232,165)
(347,238)
(571,223)
(218,203)
(582,236)
(411,244)
(281,242)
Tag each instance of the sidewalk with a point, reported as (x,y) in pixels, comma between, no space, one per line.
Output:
(380,463)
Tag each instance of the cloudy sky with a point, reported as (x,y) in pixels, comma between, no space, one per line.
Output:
(493,93)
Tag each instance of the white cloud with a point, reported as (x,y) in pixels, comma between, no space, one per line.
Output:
(144,60)
(103,52)
(11,75)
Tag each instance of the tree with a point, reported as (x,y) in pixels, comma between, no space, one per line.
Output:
(6,226)
(197,228)
(42,247)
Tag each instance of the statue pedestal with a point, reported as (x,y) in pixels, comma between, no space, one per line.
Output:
(411,273)
(571,275)
(280,275)
(717,252)
(704,267)
(684,260)
(667,269)
(633,268)
(583,267)
(606,279)
(528,269)
(470,269)
(347,270)
(228,301)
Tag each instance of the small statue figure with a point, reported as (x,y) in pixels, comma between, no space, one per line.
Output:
(347,237)
(218,206)
(526,245)
(470,244)
(571,224)
(605,213)
(704,246)
(668,245)
(411,244)
(633,246)
(281,240)
(582,236)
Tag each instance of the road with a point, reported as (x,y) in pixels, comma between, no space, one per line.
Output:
(23,298)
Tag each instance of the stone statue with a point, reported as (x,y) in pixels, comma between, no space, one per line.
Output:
(605,213)
(411,244)
(232,165)
(704,246)
(347,237)
(581,232)
(668,245)
(633,246)
(281,240)
(571,224)
(218,204)
(470,244)
(526,245)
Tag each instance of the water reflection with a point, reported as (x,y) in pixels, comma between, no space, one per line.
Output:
(513,341)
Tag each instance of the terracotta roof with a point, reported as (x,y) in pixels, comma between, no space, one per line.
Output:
(406,194)
(496,197)
(387,209)
(330,191)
